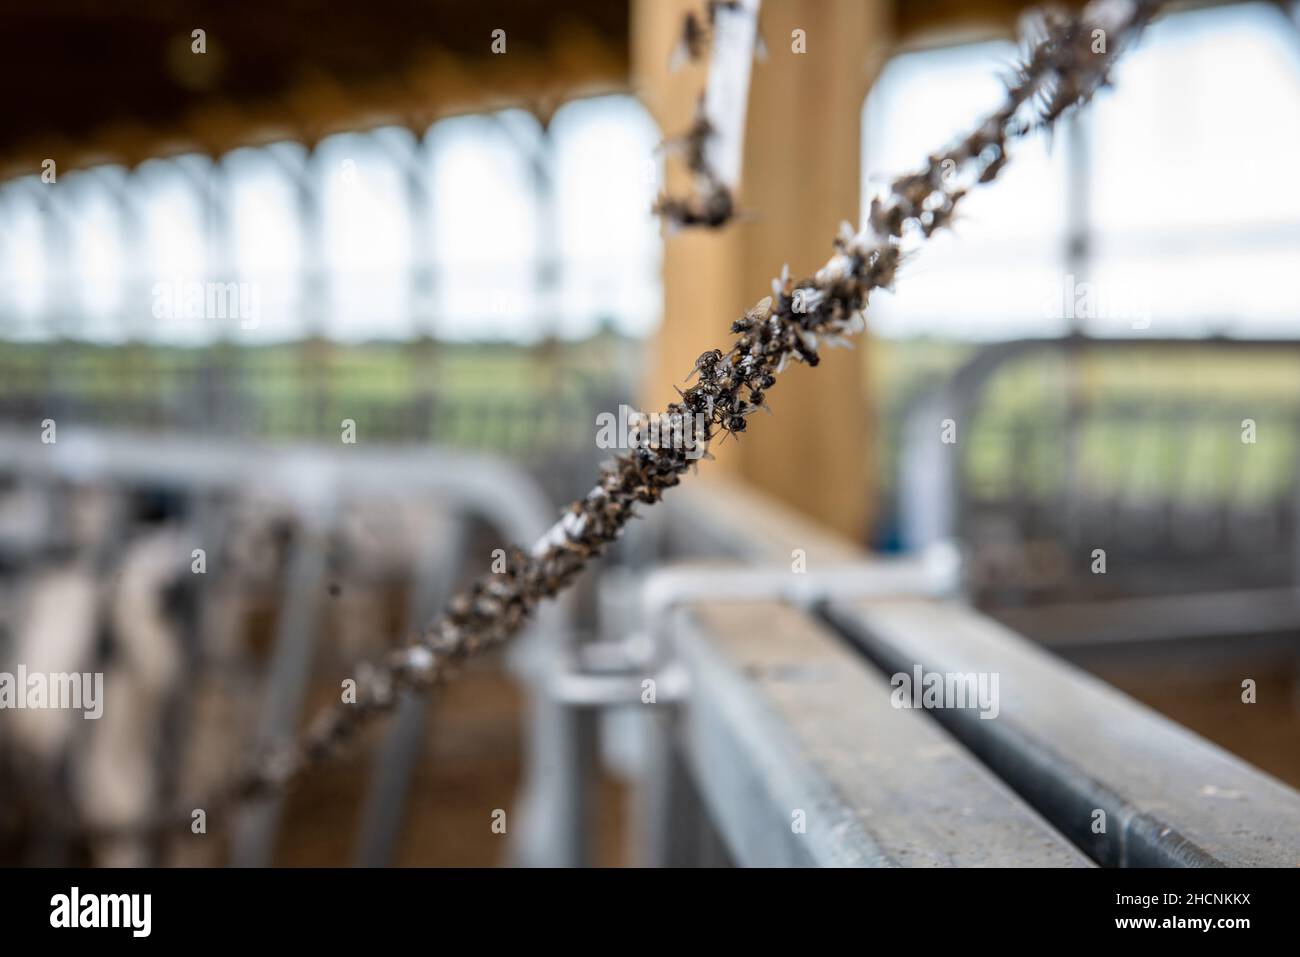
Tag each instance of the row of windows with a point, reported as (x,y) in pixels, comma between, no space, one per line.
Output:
(1170,208)
(521,234)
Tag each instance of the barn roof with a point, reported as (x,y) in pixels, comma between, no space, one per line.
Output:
(90,82)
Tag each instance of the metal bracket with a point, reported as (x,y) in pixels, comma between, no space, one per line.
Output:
(604,674)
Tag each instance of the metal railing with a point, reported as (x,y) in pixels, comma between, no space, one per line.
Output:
(1156,474)
(783,740)
(761,682)
(208,481)
(398,395)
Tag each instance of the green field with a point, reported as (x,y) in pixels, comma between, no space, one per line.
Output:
(1159,423)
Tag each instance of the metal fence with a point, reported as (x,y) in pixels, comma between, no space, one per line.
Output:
(306,391)
(1034,461)
(187,533)
(761,703)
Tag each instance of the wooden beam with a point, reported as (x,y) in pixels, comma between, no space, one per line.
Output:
(801,177)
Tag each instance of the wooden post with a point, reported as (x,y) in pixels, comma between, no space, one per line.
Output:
(801,177)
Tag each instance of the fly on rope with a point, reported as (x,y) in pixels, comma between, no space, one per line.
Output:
(1068,61)
(713,145)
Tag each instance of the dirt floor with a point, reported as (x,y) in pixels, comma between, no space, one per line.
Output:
(1209,702)
(471,766)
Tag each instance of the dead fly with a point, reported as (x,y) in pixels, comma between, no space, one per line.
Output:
(884,267)
(705,364)
(691,143)
(755,317)
(941,216)
(697,400)
(716,209)
(993,165)
(695,34)
(690,48)
(733,423)
(712,204)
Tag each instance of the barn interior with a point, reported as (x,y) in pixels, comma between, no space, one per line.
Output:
(308,310)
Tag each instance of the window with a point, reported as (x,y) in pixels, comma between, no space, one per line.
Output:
(265,238)
(487,228)
(605,154)
(1174,196)
(486,238)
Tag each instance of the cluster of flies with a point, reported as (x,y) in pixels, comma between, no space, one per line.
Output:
(712,205)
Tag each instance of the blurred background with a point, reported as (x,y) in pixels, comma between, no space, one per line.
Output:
(227,231)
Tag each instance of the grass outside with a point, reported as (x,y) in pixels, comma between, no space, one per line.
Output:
(1165,426)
